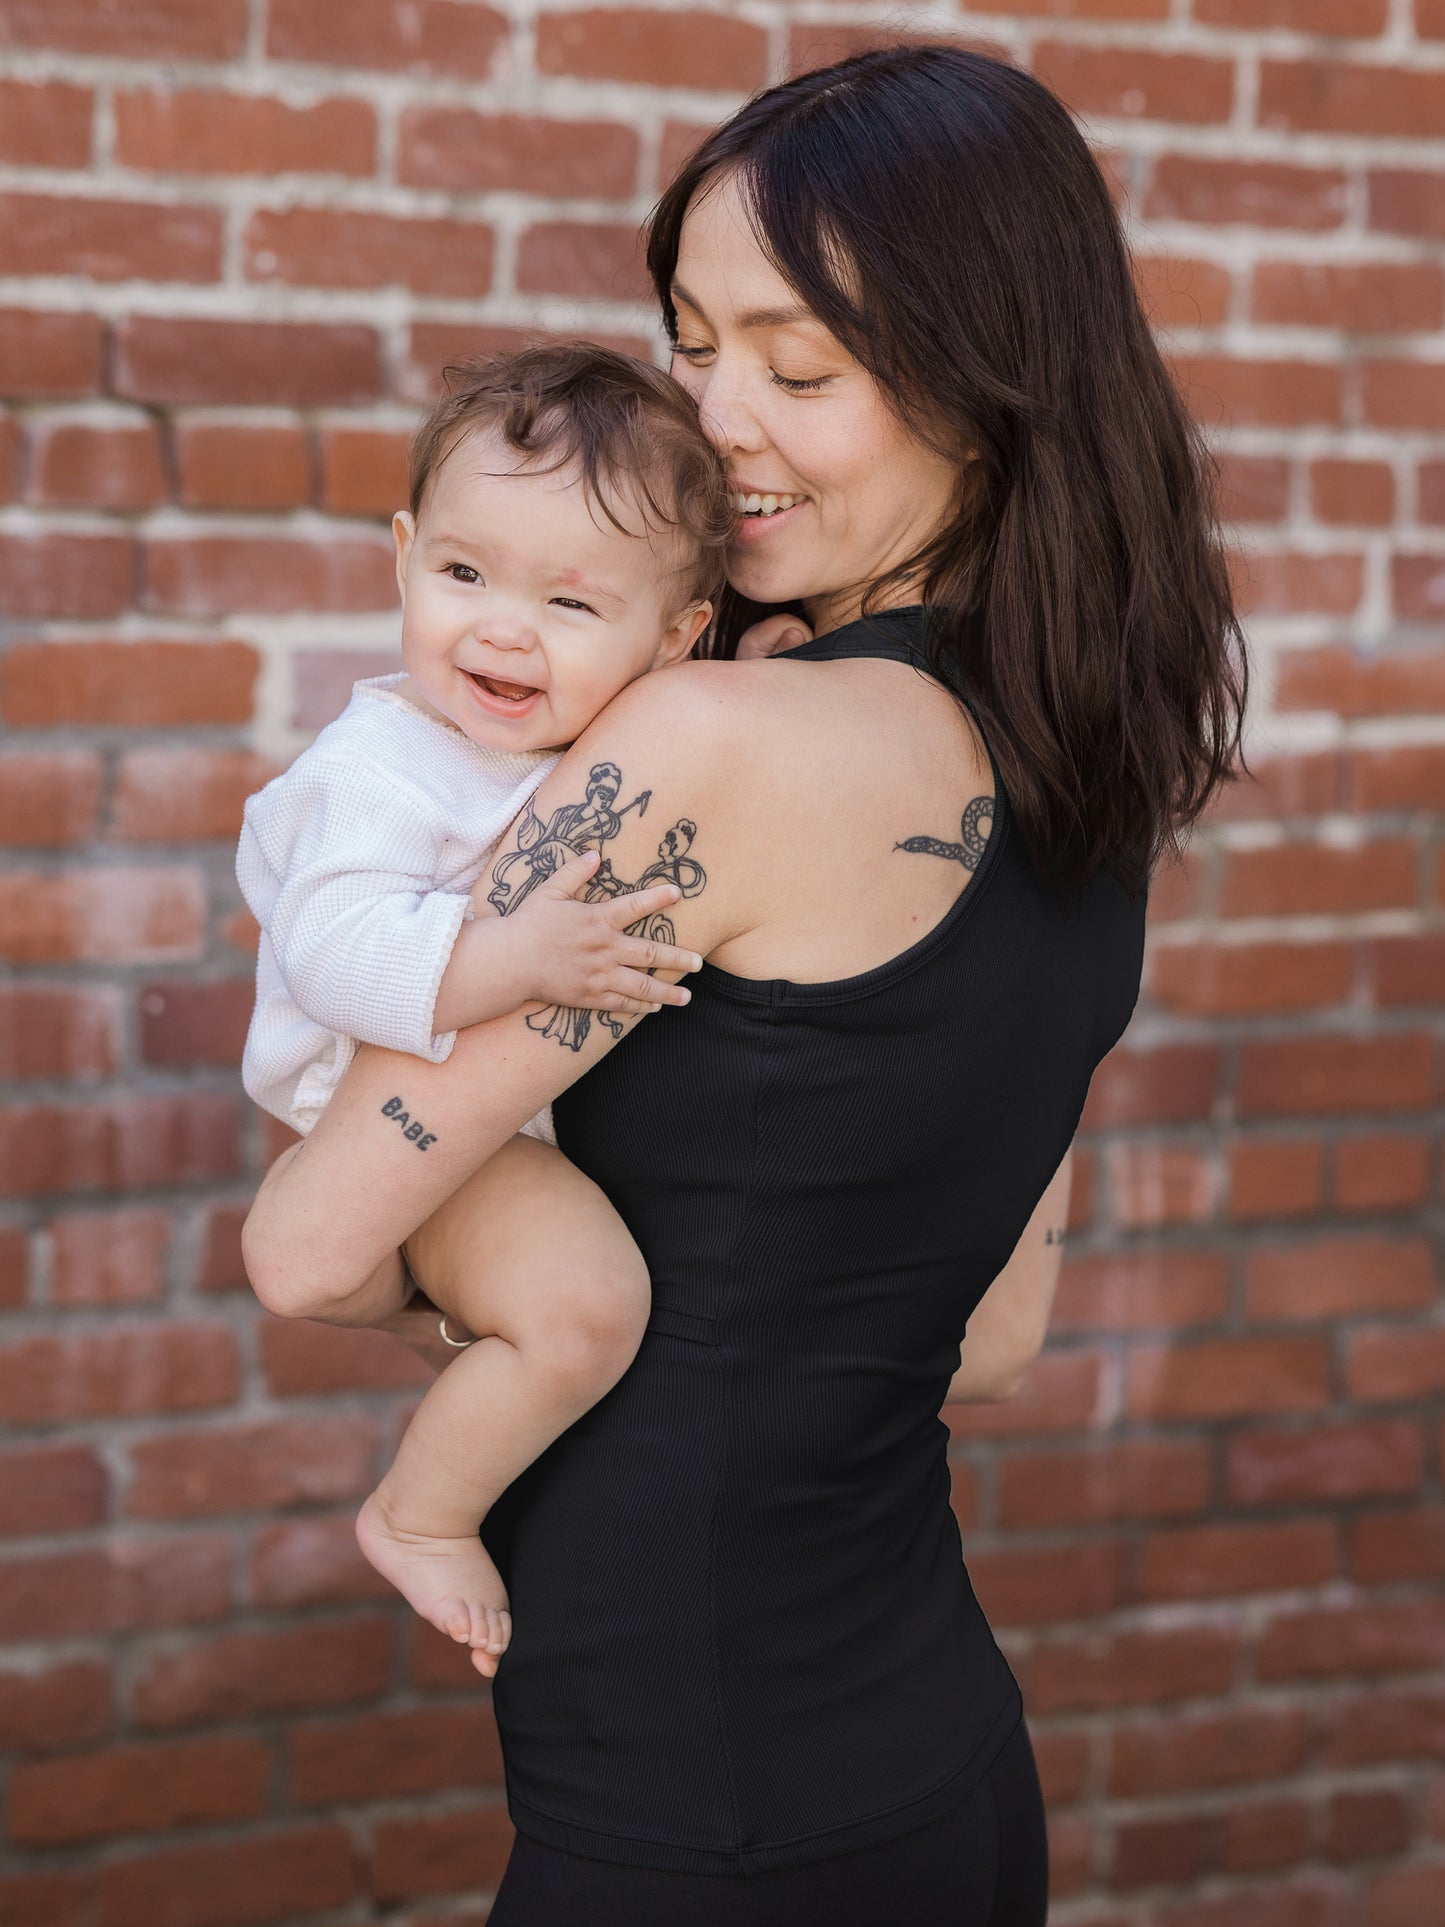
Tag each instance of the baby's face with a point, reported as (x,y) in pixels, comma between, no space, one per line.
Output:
(524,611)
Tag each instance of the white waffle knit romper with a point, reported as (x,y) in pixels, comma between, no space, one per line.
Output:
(356,864)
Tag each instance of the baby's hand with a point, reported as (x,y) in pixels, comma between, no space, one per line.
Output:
(765,638)
(580,955)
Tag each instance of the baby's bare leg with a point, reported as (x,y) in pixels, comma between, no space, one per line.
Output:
(530,1257)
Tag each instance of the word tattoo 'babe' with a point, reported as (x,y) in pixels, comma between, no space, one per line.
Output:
(412,1129)
(571,830)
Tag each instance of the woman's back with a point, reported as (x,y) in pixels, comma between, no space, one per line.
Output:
(744,1635)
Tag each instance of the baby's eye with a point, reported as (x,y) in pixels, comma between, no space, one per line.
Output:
(571,602)
(461,572)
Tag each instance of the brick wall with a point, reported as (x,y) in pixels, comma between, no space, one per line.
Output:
(237,238)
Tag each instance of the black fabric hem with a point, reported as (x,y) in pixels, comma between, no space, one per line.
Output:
(671,1857)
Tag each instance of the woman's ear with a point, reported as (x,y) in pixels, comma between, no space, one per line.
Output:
(678,639)
(403,529)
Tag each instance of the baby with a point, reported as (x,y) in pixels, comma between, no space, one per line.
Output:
(566,533)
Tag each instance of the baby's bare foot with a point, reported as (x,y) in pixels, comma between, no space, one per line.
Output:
(450,1582)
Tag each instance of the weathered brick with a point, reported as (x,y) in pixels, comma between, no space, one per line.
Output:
(45,123)
(1182,1751)
(312,1562)
(141,684)
(1228,1377)
(364,470)
(213,575)
(120,1586)
(659,49)
(55,1707)
(111,915)
(1314,1075)
(1136,83)
(1139,1291)
(122,1370)
(274,364)
(184,795)
(1223,1561)
(110,1257)
(138,1789)
(109,240)
(123,1145)
(114,465)
(1133,1479)
(451,1853)
(66,573)
(450,38)
(245,1675)
(208,130)
(50,1489)
(50,356)
(384,1755)
(264,1875)
(159,29)
(353,248)
(463,151)
(1334,1462)
(1271,1178)
(260,1467)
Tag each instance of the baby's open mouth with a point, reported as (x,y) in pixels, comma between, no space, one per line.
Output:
(505,692)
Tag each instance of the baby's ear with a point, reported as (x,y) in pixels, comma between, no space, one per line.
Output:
(403,529)
(679,637)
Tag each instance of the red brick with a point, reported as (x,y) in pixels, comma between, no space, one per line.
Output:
(214,575)
(1084,9)
(1407,201)
(49,801)
(1408,395)
(1314,1075)
(1280,786)
(1401,1636)
(1180,293)
(1410,776)
(124,1145)
(242,466)
(454,39)
(1380,297)
(1275,1179)
(138,1789)
(110,1257)
(1335,1276)
(1267,194)
(9,458)
(1158,1184)
(1430,19)
(207,130)
(319,247)
(1265,1834)
(1225,390)
(301,1357)
(1228,1377)
(102,916)
(220,1267)
(1352,684)
(1224,1561)
(1176,889)
(1366,1824)
(120,1370)
(1246,979)
(1135,83)
(1307,1903)
(1253,488)
(260,1467)
(49,1489)
(14,1266)
(50,355)
(452,1853)
(1432,492)
(1417,584)
(45,124)
(703,50)
(681,140)
(65,1705)
(1358,493)
(312,1562)
(1139,1291)
(1096,1673)
(322,680)
(241,931)
(246,1675)
(116,1587)
(111,240)
(141,684)
(462,151)
(262,1876)
(66,573)
(1351,97)
(597,259)
(1040,1585)
(1285,582)
(1133,1479)
(1352,18)
(273,364)
(385,1755)
(48,1900)
(161,29)
(1071,1855)
(192,795)
(432,344)
(1389,1547)
(58,1031)
(1386,1362)
(1179,1752)
(1170,1084)
(1384,1173)
(1060,1394)
(182,1022)
(364,470)
(1334,1462)
(1159,1852)
(90,465)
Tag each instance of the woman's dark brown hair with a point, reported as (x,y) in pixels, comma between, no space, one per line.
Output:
(942,215)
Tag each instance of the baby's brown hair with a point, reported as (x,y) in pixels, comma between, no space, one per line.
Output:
(631,430)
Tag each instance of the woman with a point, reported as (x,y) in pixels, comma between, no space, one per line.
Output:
(749,1683)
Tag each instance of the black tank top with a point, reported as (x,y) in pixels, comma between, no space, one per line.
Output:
(744,1634)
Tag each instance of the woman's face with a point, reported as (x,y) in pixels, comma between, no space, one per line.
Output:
(798,420)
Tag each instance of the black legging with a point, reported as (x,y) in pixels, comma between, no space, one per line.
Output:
(982,1864)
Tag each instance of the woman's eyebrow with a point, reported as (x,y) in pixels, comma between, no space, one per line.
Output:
(754,317)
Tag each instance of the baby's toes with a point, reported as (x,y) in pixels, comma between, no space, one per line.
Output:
(455,1619)
(499,1630)
(486,1663)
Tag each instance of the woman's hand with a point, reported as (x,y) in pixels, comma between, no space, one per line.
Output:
(417,1324)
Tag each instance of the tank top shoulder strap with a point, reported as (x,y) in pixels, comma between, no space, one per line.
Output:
(894,635)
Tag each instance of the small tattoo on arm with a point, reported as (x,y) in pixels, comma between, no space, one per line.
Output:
(1054,1234)
(412,1129)
(973,841)
(542,849)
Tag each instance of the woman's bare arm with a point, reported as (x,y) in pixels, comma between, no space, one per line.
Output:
(1008,1327)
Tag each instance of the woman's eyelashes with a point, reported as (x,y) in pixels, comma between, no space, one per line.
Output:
(794,384)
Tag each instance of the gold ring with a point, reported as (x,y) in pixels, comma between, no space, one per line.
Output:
(458,1344)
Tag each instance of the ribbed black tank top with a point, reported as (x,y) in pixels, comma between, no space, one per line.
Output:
(744,1635)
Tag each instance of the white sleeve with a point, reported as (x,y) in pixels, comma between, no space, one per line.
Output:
(338,862)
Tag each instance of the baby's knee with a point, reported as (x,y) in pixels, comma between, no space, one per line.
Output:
(591,1332)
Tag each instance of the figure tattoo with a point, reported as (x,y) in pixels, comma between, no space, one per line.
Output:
(542,849)
(969,851)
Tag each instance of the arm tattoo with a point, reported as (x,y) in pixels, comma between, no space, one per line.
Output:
(412,1128)
(1053,1234)
(969,851)
(542,849)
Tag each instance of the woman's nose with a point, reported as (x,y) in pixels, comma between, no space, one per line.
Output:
(726,420)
